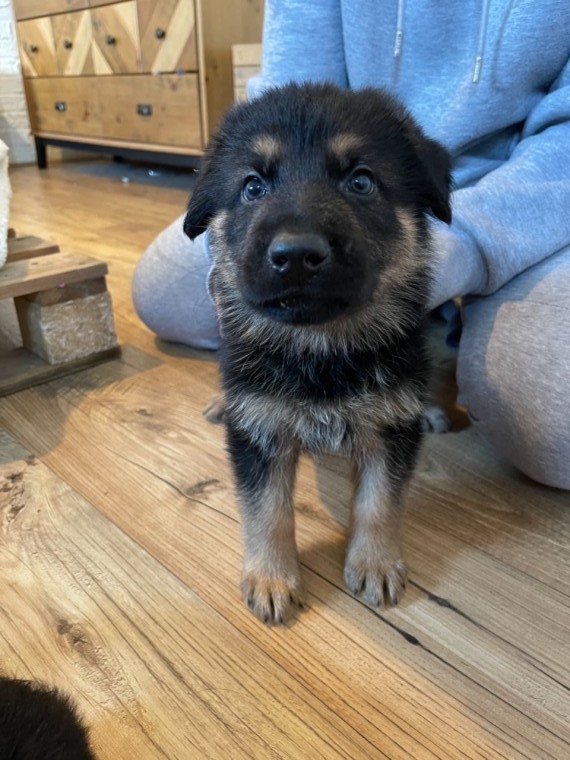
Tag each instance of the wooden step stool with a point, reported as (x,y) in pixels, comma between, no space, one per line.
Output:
(64,312)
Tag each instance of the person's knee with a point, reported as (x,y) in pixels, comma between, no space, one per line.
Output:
(169,290)
(513,372)
(523,428)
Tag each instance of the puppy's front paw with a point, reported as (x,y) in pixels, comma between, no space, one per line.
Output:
(378,580)
(273,598)
(435,420)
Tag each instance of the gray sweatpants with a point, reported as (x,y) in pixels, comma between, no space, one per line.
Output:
(513,367)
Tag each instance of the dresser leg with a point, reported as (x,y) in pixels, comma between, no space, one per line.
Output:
(41,153)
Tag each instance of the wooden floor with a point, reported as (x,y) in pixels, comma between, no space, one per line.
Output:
(120,559)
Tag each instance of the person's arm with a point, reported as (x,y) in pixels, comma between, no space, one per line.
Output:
(515,216)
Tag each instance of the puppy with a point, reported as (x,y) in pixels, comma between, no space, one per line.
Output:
(37,723)
(316,201)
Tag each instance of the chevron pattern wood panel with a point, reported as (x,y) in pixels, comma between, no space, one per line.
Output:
(115,44)
(73,38)
(168,35)
(37,47)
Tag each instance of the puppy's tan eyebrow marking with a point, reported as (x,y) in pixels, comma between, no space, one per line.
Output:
(345,147)
(268,148)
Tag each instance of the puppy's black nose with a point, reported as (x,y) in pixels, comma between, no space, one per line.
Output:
(298,255)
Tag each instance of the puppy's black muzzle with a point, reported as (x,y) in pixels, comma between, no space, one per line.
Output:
(294,273)
(297,257)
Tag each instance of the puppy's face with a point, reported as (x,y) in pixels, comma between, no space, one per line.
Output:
(316,199)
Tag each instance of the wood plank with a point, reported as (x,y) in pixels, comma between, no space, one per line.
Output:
(73,38)
(21,369)
(115,42)
(157,673)
(221,25)
(474,656)
(30,8)
(96,3)
(247,55)
(19,278)
(154,147)
(28,247)
(167,33)
(37,47)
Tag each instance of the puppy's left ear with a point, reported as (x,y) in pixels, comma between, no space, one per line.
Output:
(437,183)
(203,203)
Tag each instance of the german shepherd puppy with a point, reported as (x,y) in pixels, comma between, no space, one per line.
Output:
(316,201)
(39,723)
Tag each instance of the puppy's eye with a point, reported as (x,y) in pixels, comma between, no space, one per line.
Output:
(254,187)
(361,182)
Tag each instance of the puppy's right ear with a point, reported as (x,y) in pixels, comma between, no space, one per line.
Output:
(203,203)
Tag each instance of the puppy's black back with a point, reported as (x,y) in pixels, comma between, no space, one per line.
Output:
(38,723)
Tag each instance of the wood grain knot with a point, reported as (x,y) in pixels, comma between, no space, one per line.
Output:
(74,635)
(201,487)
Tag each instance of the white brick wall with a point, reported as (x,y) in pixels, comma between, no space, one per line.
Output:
(14,124)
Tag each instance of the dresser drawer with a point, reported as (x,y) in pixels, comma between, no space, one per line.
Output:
(73,38)
(64,105)
(33,8)
(162,109)
(115,43)
(37,47)
(167,32)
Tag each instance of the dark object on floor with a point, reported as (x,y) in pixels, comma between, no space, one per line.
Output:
(39,723)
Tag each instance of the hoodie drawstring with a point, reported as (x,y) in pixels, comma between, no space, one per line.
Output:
(481,38)
(481,42)
(398,40)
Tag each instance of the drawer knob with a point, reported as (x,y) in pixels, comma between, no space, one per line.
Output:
(159,33)
(144,109)
(34,48)
(60,105)
(67,44)
(110,40)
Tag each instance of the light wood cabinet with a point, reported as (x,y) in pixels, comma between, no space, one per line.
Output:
(131,77)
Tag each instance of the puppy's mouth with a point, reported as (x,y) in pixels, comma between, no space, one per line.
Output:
(302,308)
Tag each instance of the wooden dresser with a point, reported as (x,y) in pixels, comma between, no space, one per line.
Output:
(133,77)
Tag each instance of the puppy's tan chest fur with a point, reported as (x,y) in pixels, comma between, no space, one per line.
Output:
(338,426)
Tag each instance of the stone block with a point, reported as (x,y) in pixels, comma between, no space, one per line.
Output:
(65,324)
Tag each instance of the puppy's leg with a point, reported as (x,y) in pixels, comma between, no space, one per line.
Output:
(271,578)
(435,420)
(374,566)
